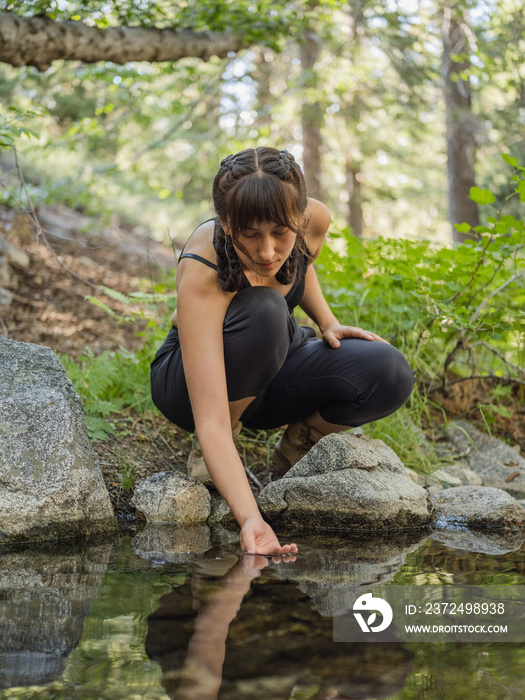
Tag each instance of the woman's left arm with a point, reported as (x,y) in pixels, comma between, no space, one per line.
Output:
(313,302)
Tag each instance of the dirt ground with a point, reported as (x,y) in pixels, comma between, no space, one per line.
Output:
(50,308)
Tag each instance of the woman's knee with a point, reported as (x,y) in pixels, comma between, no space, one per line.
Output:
(382,385)
(393,381)
(257,320)
(399,378)
(256,340)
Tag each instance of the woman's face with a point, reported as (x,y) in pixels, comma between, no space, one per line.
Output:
(266,247)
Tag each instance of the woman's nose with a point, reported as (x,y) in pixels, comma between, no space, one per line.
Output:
(267,248)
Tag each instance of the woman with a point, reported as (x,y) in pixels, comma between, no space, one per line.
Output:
(236,353)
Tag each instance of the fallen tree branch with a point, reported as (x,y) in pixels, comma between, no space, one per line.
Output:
(490,296)
(38,41)
(502,380)
(254,478)
(483,343)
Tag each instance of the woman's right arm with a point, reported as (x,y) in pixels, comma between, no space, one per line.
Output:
(201,308)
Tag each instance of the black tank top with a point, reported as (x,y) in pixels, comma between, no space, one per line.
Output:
(296,292)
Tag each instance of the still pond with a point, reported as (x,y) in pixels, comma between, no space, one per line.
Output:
(180,614)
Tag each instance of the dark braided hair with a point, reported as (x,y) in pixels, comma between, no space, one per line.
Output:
(254,186)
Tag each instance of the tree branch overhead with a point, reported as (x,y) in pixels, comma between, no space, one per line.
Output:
(38,41)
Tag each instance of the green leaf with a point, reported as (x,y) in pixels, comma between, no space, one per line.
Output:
(462,228)
(481,196)
(118,296)
(101,305)
(508,159)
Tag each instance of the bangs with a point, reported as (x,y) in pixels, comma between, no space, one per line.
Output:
(262,198)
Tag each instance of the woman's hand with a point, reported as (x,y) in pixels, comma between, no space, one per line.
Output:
(257,537)
(335,333)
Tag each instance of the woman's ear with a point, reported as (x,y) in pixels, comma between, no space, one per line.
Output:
(225,227)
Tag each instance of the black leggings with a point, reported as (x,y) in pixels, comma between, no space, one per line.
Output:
(291,373)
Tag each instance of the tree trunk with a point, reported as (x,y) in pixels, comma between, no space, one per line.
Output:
(262,74)
(38,41)
(355,210)
(352,115)
(461,123)
(311,116)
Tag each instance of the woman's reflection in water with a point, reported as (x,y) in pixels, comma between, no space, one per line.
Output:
(201,673)
(278,643)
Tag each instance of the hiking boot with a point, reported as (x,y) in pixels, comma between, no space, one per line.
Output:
(295,442)
(197,467)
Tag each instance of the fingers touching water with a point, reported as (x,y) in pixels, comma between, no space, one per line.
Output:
(257,537)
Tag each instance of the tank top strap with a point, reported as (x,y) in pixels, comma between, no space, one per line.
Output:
(199,258)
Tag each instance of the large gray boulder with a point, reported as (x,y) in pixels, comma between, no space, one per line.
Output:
(477,507)
(50,485)
(347,482)
(492,459)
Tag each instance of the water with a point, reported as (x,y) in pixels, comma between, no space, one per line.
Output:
(178,614)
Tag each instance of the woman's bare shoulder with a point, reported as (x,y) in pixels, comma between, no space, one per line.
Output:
(318,216)
(200,241)
(196,283)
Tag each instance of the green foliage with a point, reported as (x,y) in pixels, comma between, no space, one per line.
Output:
(118,380)
(113,382)
(13,126)
(451,311)
(128,470)
(438,303)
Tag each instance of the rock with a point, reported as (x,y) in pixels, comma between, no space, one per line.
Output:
(44,597)
(171,543)
(61,221)
(5,297)
(347,482)
(172,497)
(453,475)
(442,478)
(50,485)
(493,460)
(477,507)
(13,254)
(467,476)
(5,275)
(495,542)
(220,511)
(413,475)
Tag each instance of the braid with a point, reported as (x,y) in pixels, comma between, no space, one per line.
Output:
(229,270)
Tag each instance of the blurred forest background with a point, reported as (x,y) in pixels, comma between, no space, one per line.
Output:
(408,118)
